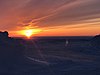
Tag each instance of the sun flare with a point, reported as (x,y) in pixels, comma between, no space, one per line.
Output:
(30,32)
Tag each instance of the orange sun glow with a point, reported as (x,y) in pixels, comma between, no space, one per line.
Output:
(28,33)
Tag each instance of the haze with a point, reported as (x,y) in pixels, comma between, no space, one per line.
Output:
(52,17)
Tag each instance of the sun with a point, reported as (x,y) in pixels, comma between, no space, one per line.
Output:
(29,32)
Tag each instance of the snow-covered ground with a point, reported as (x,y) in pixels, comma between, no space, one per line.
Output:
(57,57)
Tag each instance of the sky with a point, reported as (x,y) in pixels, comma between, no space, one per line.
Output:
(51,17)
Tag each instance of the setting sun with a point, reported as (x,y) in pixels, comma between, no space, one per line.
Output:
(28,33)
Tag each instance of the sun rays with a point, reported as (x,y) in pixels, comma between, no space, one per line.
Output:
(30,32)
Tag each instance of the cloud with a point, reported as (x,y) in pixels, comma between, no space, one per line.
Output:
(75,12)
(48,13)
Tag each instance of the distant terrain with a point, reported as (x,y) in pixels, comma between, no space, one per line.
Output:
(49,56)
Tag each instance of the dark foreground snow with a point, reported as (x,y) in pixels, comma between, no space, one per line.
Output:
(55,57)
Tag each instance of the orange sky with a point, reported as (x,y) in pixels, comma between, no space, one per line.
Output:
(50,17)
(65,31)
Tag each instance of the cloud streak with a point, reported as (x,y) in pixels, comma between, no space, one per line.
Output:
(48,13)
